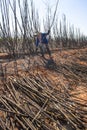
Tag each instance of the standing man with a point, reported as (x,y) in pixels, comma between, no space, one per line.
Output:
(42,41)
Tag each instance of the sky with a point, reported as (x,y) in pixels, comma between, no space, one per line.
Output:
(75,11)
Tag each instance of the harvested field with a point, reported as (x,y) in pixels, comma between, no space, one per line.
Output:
(39,94)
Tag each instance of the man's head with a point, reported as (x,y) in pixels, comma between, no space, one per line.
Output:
(36,33)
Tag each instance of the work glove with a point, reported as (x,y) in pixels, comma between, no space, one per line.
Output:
(48,31)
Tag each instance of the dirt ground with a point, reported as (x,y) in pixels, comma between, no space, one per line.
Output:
(35,64)
(24,66)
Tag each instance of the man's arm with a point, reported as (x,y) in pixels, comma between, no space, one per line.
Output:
(48,31)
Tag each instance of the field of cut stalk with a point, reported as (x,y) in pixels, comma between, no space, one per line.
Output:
(41,96)
(37,93)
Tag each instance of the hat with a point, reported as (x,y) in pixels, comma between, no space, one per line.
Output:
(35,34)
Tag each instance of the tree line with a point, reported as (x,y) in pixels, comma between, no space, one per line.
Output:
(19,19)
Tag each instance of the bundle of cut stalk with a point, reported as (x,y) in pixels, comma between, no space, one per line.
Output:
(34,103)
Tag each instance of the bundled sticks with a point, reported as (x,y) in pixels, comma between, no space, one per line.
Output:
(33,103)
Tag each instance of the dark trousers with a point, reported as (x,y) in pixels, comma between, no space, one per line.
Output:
(42,48)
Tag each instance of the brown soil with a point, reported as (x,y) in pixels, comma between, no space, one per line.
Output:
(35,64)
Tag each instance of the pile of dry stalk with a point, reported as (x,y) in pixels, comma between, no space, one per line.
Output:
(33,103)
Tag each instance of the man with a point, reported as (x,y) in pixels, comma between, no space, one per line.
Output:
(42,41)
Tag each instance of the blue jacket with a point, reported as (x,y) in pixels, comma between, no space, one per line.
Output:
(44,39)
